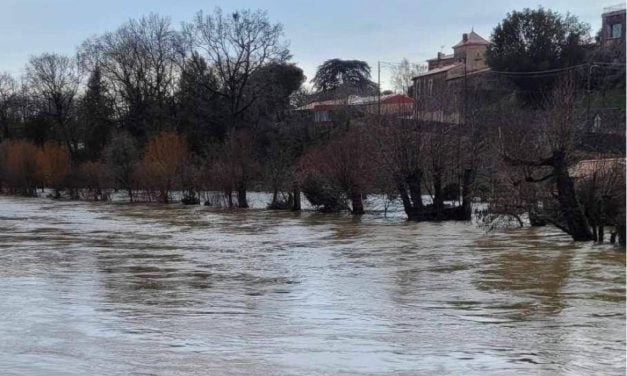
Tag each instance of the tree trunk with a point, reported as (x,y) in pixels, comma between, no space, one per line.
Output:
(466,199)
(576,222)
(535,220)
(242,202)
(412,207)
(438,200)
(275,195)
(620,231)
(229,197)
(357,203)
(593,231)
(414,181)
(296,197)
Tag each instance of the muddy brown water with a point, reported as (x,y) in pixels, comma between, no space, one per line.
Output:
(118,289)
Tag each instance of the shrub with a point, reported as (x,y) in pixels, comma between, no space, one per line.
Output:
(95,177)
(53,166)
(163,165)
(19,167)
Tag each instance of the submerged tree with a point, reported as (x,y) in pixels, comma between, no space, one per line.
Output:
(162,167)
(120,156)
(19,166)
(53,166)
(340,174)
(547,150)
(402,151)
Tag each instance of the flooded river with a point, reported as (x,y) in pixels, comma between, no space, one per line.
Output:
(118,289)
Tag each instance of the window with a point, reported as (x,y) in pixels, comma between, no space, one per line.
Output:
(322,116)
(597,123)
(616,30)
(430,87)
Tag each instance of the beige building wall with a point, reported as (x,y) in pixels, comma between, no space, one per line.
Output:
(474,56)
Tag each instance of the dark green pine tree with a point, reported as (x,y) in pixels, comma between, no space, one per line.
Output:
(201,112)
(96,116)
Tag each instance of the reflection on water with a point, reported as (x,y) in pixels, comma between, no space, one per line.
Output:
(91,288)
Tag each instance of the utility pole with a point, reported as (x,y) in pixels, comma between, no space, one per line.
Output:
(415,99)
(379,87)
(589,91)
(465,88)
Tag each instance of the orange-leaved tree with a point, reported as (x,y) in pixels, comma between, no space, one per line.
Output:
(19,166)
(53,166)
(165,159)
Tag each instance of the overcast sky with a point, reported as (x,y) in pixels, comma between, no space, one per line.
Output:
(385,30)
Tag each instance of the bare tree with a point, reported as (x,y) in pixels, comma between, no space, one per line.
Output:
(54,81)
(340,172)
(8,96)
(401,148)
(236,46)
(121,157)
(403,73)
(140,63)
(547,149)
(600,185)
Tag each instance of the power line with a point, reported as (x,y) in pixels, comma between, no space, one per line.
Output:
(617,65)
(543,72)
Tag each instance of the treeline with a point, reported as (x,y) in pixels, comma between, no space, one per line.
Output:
(209,107)
(336,168)
(207,87)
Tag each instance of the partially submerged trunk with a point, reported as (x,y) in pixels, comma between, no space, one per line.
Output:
(575,221)
(535,219)
(620,231)
(295,197)
(242,201)
(409,190)
(438,198)
(229,197)
(467,180)
(275,204)
(414,183)
(357,203)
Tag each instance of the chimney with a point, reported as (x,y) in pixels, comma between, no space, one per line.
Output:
(465,37)
(440,55)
